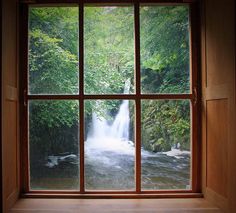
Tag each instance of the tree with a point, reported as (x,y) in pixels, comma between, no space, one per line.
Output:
(53,69)
(109,47)
(109,62)
(165,69)
(165,49)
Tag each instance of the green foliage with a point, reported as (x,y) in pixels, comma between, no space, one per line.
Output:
(160,145)
(165,49)
(53,63)
(57,22)
(108,63)
(109,46)
(165,69)
(165,124)
(53,70)
(43,113)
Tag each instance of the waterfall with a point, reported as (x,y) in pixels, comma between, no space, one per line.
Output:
(105,136)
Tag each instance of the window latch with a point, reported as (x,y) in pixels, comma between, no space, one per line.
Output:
(25,94)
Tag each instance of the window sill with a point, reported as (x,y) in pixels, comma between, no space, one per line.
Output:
(113,205)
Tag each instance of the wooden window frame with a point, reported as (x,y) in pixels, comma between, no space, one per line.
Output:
(193,97)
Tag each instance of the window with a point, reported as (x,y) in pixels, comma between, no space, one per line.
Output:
(109,98)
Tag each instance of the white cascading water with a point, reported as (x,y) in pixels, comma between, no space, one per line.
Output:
(111,137)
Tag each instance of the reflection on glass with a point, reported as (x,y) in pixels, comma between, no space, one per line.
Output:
(53,50)
(166,144)
(109,49)
(54,145)
(109,146)
(164,37)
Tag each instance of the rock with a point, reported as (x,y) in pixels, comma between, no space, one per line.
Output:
(161,146)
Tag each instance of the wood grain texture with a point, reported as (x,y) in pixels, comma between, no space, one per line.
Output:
(10,138)
(11,93)
(217,145)
(219,38)
(214,197)
(218,103)
(9,154)
(113,205)
(9,42)
(218,69)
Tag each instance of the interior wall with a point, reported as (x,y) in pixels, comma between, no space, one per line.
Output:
(218,103)
(10,141)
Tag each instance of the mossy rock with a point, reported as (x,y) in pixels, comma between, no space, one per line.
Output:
(161,146)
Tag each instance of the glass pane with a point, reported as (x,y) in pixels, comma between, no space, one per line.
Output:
(164,36)
(54,145)
(166,155)
(53,50)
(109,49)
(109,145)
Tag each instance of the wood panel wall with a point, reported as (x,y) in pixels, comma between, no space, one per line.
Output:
(10,115)
(218,103)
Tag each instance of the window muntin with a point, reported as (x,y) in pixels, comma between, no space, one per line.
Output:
(83,98)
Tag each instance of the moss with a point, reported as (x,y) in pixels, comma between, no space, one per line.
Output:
(161,146)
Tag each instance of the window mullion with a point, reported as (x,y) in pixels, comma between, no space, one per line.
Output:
(81,91)
(24,45)
(138,101)
(195,105)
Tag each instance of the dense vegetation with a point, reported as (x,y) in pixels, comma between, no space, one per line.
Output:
(108,63)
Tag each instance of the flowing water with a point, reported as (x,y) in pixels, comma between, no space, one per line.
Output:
(110,161)
(109,158)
